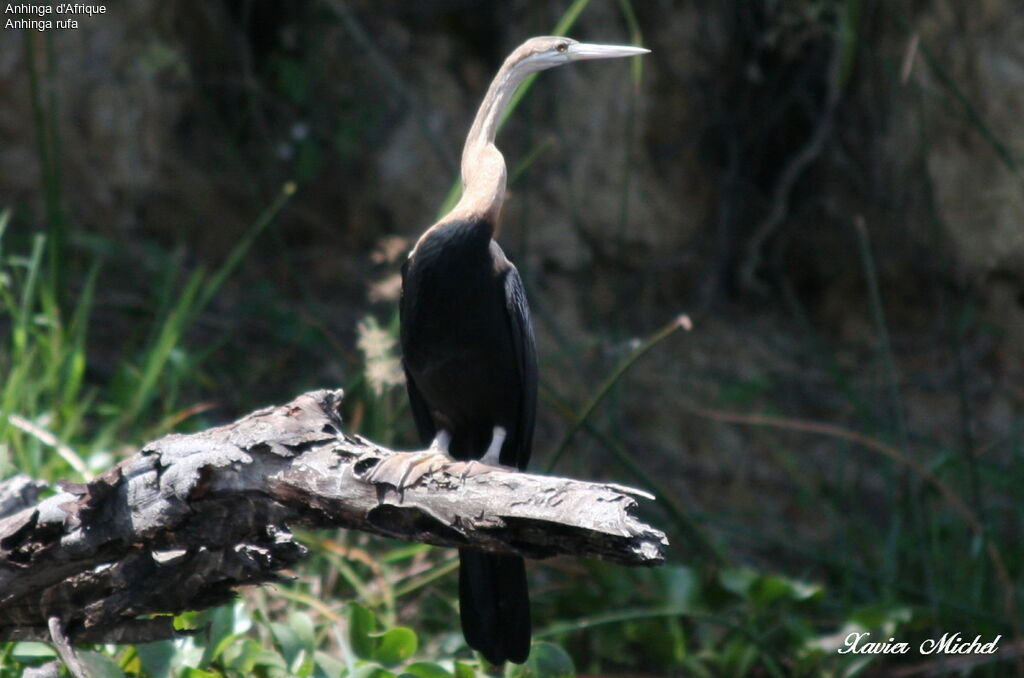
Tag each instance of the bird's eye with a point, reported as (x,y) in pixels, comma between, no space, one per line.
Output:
(562,47)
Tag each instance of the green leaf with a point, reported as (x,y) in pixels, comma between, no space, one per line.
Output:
(302,666)
(327,666)
(802,591)
(156,657)
(425,670)
(464,670)
(548,660)
(187,652)
(372,671)
(389,647)
(28,652)
(199,673)
(737,580)
(302,625)
(227,623)
(271,659)
(737,658)
(395,646)
(100,665)
(768,588)
(241,622)
(243,656)
(361,624)
(288,640)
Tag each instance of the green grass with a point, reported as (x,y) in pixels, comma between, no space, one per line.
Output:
(44,360)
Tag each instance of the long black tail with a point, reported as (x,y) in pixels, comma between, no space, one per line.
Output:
(495,605)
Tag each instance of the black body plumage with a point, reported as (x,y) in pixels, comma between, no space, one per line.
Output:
(470,363)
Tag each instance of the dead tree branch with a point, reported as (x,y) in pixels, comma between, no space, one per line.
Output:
(189,518)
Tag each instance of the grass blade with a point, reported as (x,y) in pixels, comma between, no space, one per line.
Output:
(613,378)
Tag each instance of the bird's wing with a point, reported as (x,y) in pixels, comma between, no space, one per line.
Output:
(420,411)
(526,351)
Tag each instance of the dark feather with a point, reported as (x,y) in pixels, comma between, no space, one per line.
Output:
(471,364)
(494,605)
(526,349)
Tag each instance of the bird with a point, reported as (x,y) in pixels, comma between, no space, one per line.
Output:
(468,348)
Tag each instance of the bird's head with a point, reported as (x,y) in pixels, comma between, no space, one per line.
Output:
(542,53)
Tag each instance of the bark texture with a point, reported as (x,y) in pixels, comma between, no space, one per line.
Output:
(189,518)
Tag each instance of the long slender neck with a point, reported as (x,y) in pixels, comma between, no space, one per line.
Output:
(483,167)
(485,124)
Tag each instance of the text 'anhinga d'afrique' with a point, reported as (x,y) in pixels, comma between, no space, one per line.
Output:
(468,348)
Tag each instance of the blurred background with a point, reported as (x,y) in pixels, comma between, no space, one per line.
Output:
(205,206)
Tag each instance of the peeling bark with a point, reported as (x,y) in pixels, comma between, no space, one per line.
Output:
(189,518)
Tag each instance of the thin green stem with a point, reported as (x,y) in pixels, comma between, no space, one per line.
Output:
(1002,150)
(665,496)
(265,218)
(44,122)
(623,367)
(636,37)
(878,317)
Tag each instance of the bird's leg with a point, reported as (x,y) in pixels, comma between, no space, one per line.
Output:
(491,458)
(493,454)
(441,441)
(405,469)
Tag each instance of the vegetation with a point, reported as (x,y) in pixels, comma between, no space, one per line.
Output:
(346,610)
(84,377)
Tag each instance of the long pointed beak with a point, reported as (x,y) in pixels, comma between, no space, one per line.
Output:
(582,50)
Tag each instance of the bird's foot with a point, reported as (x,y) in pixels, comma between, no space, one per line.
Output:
(405,469)
(491,458)
(474,468)
(491,461)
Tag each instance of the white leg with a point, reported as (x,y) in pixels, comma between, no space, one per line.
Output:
(441,441)
(491,457)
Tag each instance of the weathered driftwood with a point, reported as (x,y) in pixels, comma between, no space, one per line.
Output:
(187,519)
(19,492)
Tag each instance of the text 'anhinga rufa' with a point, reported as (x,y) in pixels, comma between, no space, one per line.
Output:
(468,347)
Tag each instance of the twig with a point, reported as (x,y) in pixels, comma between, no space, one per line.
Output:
(47,670)
(909,57)
(681,321)
(790,173)
(65,650)
(19,492)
